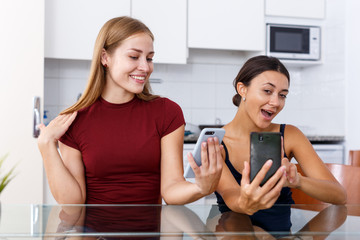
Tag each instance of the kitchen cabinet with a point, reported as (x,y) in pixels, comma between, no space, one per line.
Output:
(188,147)
(167,21)
(22,78)
(71,27)
(226,24)
(295,8)
(209,199)
(330,153)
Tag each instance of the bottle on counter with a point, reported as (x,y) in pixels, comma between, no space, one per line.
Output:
(46,118)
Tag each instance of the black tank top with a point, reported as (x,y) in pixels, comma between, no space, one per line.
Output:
(272,219)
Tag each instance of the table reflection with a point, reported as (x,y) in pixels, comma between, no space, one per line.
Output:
(319,227)
(176,222)
(107,221)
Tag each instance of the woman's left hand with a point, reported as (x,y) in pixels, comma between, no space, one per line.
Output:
(207,175)
(292,175)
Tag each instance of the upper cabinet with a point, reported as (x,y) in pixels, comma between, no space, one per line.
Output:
(296,8)
(71,27)
(167,21)
(226,24)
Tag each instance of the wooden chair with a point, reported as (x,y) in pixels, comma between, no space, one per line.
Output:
(349,178)
(354,158)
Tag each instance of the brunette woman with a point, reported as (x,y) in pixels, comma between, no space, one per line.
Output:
(262,86)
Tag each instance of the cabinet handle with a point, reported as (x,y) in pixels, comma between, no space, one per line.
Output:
(36,116)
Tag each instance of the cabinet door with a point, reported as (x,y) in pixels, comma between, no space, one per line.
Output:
(22,78)
(296,8)
(167,21)
(71,27)
(227,24)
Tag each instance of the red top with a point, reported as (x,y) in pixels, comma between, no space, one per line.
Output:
(120,148)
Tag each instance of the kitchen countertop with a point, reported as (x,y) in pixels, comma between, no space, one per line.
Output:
(312,138)
(325,139)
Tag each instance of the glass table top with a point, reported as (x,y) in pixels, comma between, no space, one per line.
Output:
(171,222)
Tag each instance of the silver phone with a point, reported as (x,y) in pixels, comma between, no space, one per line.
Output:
(204,135)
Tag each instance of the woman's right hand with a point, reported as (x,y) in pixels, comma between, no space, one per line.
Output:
(254,197)
(56,128)
(207,175)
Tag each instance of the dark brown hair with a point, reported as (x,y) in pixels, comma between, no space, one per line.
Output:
(255,66)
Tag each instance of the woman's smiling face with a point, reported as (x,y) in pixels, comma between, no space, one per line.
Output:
(264,97)
(129,65)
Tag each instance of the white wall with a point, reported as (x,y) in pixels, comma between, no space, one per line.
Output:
(21,78)
(352,47)
(319,103)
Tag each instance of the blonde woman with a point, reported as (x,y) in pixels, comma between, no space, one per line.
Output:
(119,143)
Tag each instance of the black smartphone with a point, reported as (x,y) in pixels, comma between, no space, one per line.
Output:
(264,146)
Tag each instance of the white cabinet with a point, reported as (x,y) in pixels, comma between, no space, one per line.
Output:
(71,27)
(296,8)
(188,147)
(167,21)
(330,153)
(226,24)
(210,199)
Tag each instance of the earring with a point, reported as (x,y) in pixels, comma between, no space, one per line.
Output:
(105,65)
(244,98)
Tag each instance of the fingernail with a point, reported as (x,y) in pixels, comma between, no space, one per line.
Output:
(204,144)
(269,162)
(211,139)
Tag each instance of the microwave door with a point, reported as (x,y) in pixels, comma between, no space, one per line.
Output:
(289,40)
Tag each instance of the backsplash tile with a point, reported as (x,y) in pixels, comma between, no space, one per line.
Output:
(223,95)
(203,95)
(69,89)
(74,69)
(315,103)
(51,93)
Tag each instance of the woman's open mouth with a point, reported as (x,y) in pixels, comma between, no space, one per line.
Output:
(138,79)
(267,114)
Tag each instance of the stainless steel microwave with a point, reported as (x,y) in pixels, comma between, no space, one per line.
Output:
(293,42)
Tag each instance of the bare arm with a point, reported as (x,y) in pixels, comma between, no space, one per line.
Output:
(174,188)
(318,182)
(65,173)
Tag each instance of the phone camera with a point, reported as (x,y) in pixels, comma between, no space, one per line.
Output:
(261,137)
(209,133)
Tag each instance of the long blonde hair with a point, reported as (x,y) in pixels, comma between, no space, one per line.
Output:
(111,35)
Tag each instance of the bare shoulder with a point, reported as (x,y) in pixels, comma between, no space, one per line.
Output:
(294,140)
(293,132)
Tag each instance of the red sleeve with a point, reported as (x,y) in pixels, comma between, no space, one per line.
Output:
(68,138)
(173,117)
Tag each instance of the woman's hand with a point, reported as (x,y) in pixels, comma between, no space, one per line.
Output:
(207,176)
(254,197)
(56,128)
(292,175)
